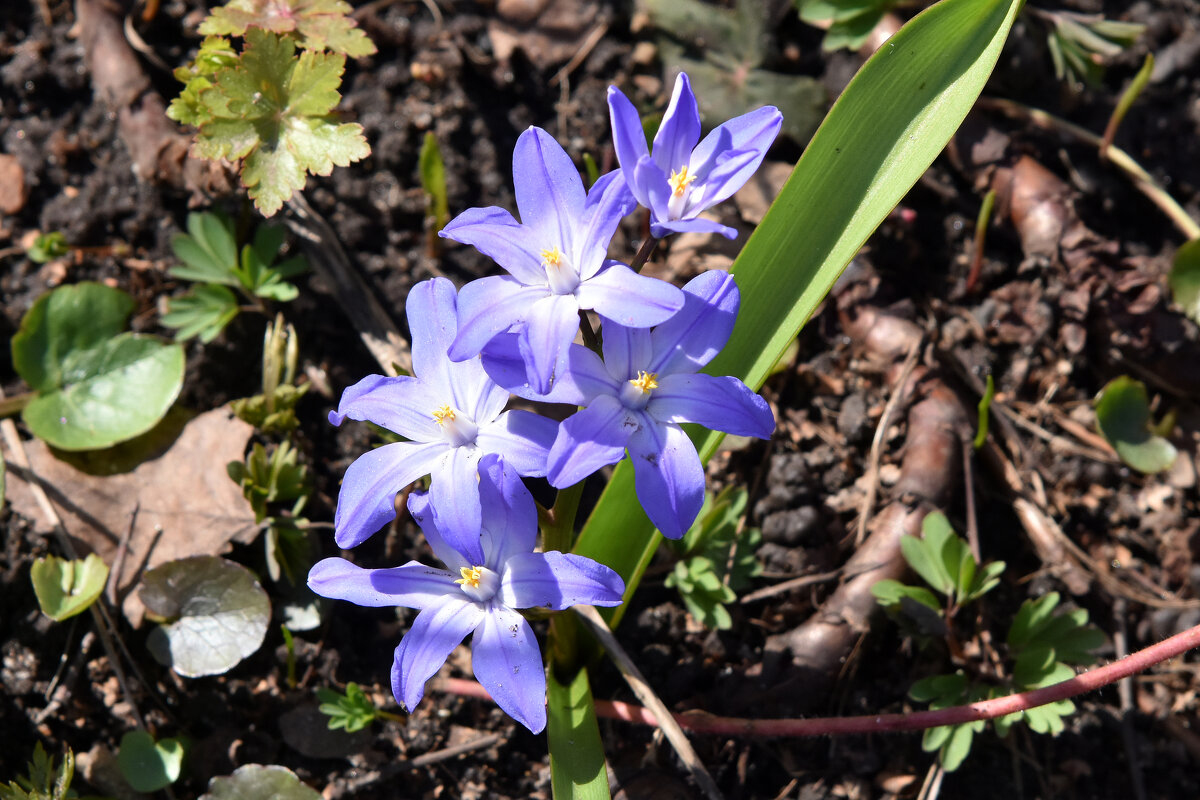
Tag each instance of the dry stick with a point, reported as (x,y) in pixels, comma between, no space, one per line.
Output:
(898,394)
(703,722)
(637,682)
(1144,182)
(792,584)
(423,760)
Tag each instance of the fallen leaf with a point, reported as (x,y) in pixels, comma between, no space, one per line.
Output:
(13,190)
(180,503)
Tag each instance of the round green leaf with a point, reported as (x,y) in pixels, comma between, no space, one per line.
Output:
(66,588)
(108,393)
(1123,416)
(148,765)
(258,781)
(215,614)
(1185,278)
(64,321)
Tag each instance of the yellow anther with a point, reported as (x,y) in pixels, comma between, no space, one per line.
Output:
(444,414)
(680,181)
(552,257)
(645,381)
(470,576)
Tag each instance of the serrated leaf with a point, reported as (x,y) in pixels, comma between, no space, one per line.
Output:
(1123,417)
(66,588)
(256,782)
(148,765)
(208,250)
(1033,665)
(202,312)
(216,614)
(271,110)
(319,24)
(1031,616)
(215,53)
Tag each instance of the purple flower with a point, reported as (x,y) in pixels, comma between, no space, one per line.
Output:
(683,178)
(556,260)
(451,415)
(487,580)
(636,397)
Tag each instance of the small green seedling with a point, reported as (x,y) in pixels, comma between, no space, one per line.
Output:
(147,765)
(1185,278)
(985,407)
(703,576)
(211,258)
(1123,417)
(1079,43)
(847,23)
(433,181)
(266,481)
(274,411)
(44,781)
(352,710)
(66,588)
(47,247)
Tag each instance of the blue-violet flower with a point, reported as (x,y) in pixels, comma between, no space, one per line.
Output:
(451,415)
(486,581)
(682,178)
(556,262)
(648,383)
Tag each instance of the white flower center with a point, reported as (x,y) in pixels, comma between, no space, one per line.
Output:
(681,184)
(561,277)
(457,428)
(479,583)
(635,394)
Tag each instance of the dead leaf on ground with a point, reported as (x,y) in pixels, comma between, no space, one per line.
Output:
(185,503)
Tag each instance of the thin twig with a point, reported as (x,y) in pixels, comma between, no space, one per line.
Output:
(637,682)
(643,254)
(968,454)
(789,586)
(593,38)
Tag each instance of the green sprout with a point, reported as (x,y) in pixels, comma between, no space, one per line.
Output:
(352,710)
(44,780)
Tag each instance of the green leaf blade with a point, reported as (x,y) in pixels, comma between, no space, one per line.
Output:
(577,770)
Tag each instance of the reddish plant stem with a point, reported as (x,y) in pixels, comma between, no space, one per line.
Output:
(703,722)
(643,254)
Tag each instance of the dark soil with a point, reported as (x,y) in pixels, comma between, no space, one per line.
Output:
(1053,328)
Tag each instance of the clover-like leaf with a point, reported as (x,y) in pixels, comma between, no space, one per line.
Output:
(96,386)
(319,24)
(66,588)
(256,781)
(272,111)
(1123,416)
(214,614)
(149,765)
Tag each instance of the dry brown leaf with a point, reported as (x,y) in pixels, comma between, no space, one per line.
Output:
(181,503)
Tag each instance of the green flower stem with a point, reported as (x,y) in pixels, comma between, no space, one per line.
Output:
(702,722)
(559,532)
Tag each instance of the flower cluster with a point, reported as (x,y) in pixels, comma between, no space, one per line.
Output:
(513,334)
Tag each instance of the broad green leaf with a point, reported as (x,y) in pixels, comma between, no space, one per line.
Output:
(202,312)
(110,393)
(577,770)
(65,321)
(881,135)
(214,614)
(149,765)
(257,782)
(851,33)
(891,592)
(1031,616)
(1185,278)
(836,10)
(1123,416)
(926,562)
(319,24)
(66,588)
(271,110)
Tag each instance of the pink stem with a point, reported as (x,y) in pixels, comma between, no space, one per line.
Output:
(703,722)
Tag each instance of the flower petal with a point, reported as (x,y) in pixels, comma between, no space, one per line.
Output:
(652,186)
(629,137)
(755,130)
(434,634)
(509,515)
(367,500)
(584,378)
(490,306)
(413,585)
(454,495)
(550,325)
(732,170)
(589,439)
(493,232)
(403,405)
(661,229)
(718,403)
(694,336)
(626,350)
(608,202)
(421,510)
(668,476)
(620,294)
(680,129)
(523,438)
(432,324)
(556,581)
(508,663)
(550,194)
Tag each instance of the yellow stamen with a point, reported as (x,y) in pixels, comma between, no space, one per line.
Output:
(680,181)
(444,414)
(551,258)
(645,381)
(470,576)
